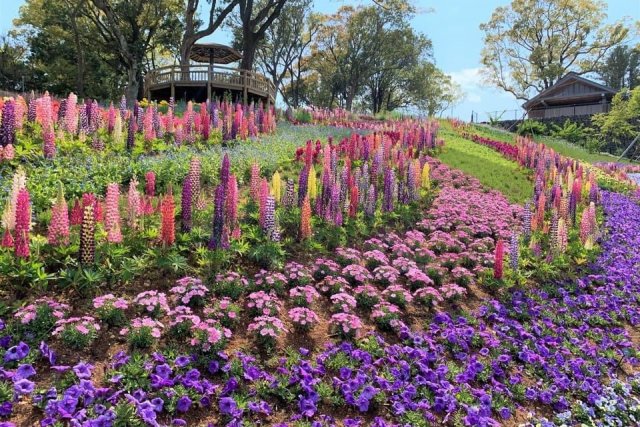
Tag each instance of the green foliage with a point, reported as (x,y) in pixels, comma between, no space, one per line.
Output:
(303,116)
(532,127)
(622,123)
(569,131)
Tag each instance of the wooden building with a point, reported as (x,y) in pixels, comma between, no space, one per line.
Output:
(571,96)
(199,82)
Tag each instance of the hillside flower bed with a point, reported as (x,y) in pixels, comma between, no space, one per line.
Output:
(361,283)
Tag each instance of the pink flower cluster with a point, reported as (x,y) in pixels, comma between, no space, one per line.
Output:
(85,325)
(303,296)
(190,291)
(30,312)
(262,303)
(110,301)
(154,303)
(267,327)
(347,325)
(303,318)
(144,323)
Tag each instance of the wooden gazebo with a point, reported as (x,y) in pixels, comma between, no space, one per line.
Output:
(201,82)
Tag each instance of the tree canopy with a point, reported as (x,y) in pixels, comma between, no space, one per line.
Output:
(530,44)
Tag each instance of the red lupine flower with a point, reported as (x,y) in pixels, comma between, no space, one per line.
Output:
(7,239)
(499,260)
(58,232)
(76,213)
(353,201)
(168,226)
(150,183)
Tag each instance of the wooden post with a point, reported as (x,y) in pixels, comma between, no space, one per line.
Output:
(245,95)
(173,86)
(209,76)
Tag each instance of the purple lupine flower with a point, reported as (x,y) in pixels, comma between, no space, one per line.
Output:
(84,121)
(31,112)
(303,184)
(224,174)
(370,204)
(526,219)
(514,251)
(218,219)
(8,124)
(387,196)
(131,130)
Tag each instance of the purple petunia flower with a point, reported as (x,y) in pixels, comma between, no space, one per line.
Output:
(17,352)
(184,403)
(83,370)
(182,361)
(24,371)
(24,386)
(228,406)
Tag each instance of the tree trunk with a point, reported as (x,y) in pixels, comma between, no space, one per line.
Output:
(133,84)
(248,54)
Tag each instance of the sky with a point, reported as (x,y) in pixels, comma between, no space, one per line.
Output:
(453,27)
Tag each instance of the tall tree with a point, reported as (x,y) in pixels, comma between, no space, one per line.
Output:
(530,44)
(286,41)
(62,49)
(621,68)
(193,31)
(254,17)
(129,28)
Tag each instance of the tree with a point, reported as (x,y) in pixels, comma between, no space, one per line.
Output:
(621,68)
(12,63)
(530,44)
(400,52)
(192,28)
(432,91)
(280,54)
(254,17)
(62,56)
(621,124)
(129,28)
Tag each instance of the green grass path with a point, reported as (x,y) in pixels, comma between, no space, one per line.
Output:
(487,165)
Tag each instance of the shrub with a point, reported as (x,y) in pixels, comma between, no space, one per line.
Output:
(303,318)
(110,309)
(142,332)
(77,332)
(231,285)
(569,131)
(190,291)
(531,127)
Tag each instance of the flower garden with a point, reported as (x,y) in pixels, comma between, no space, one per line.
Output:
(212,267)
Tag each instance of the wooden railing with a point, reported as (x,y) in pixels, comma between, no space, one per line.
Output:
(200,75)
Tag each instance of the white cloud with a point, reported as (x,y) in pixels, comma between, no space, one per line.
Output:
(470,80)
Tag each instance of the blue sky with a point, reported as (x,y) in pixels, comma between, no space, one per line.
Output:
(452,25)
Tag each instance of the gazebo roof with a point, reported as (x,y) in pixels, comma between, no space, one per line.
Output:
(214,53)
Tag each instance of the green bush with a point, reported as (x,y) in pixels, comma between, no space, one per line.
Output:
(531,127)
(303,116)
(570,131)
